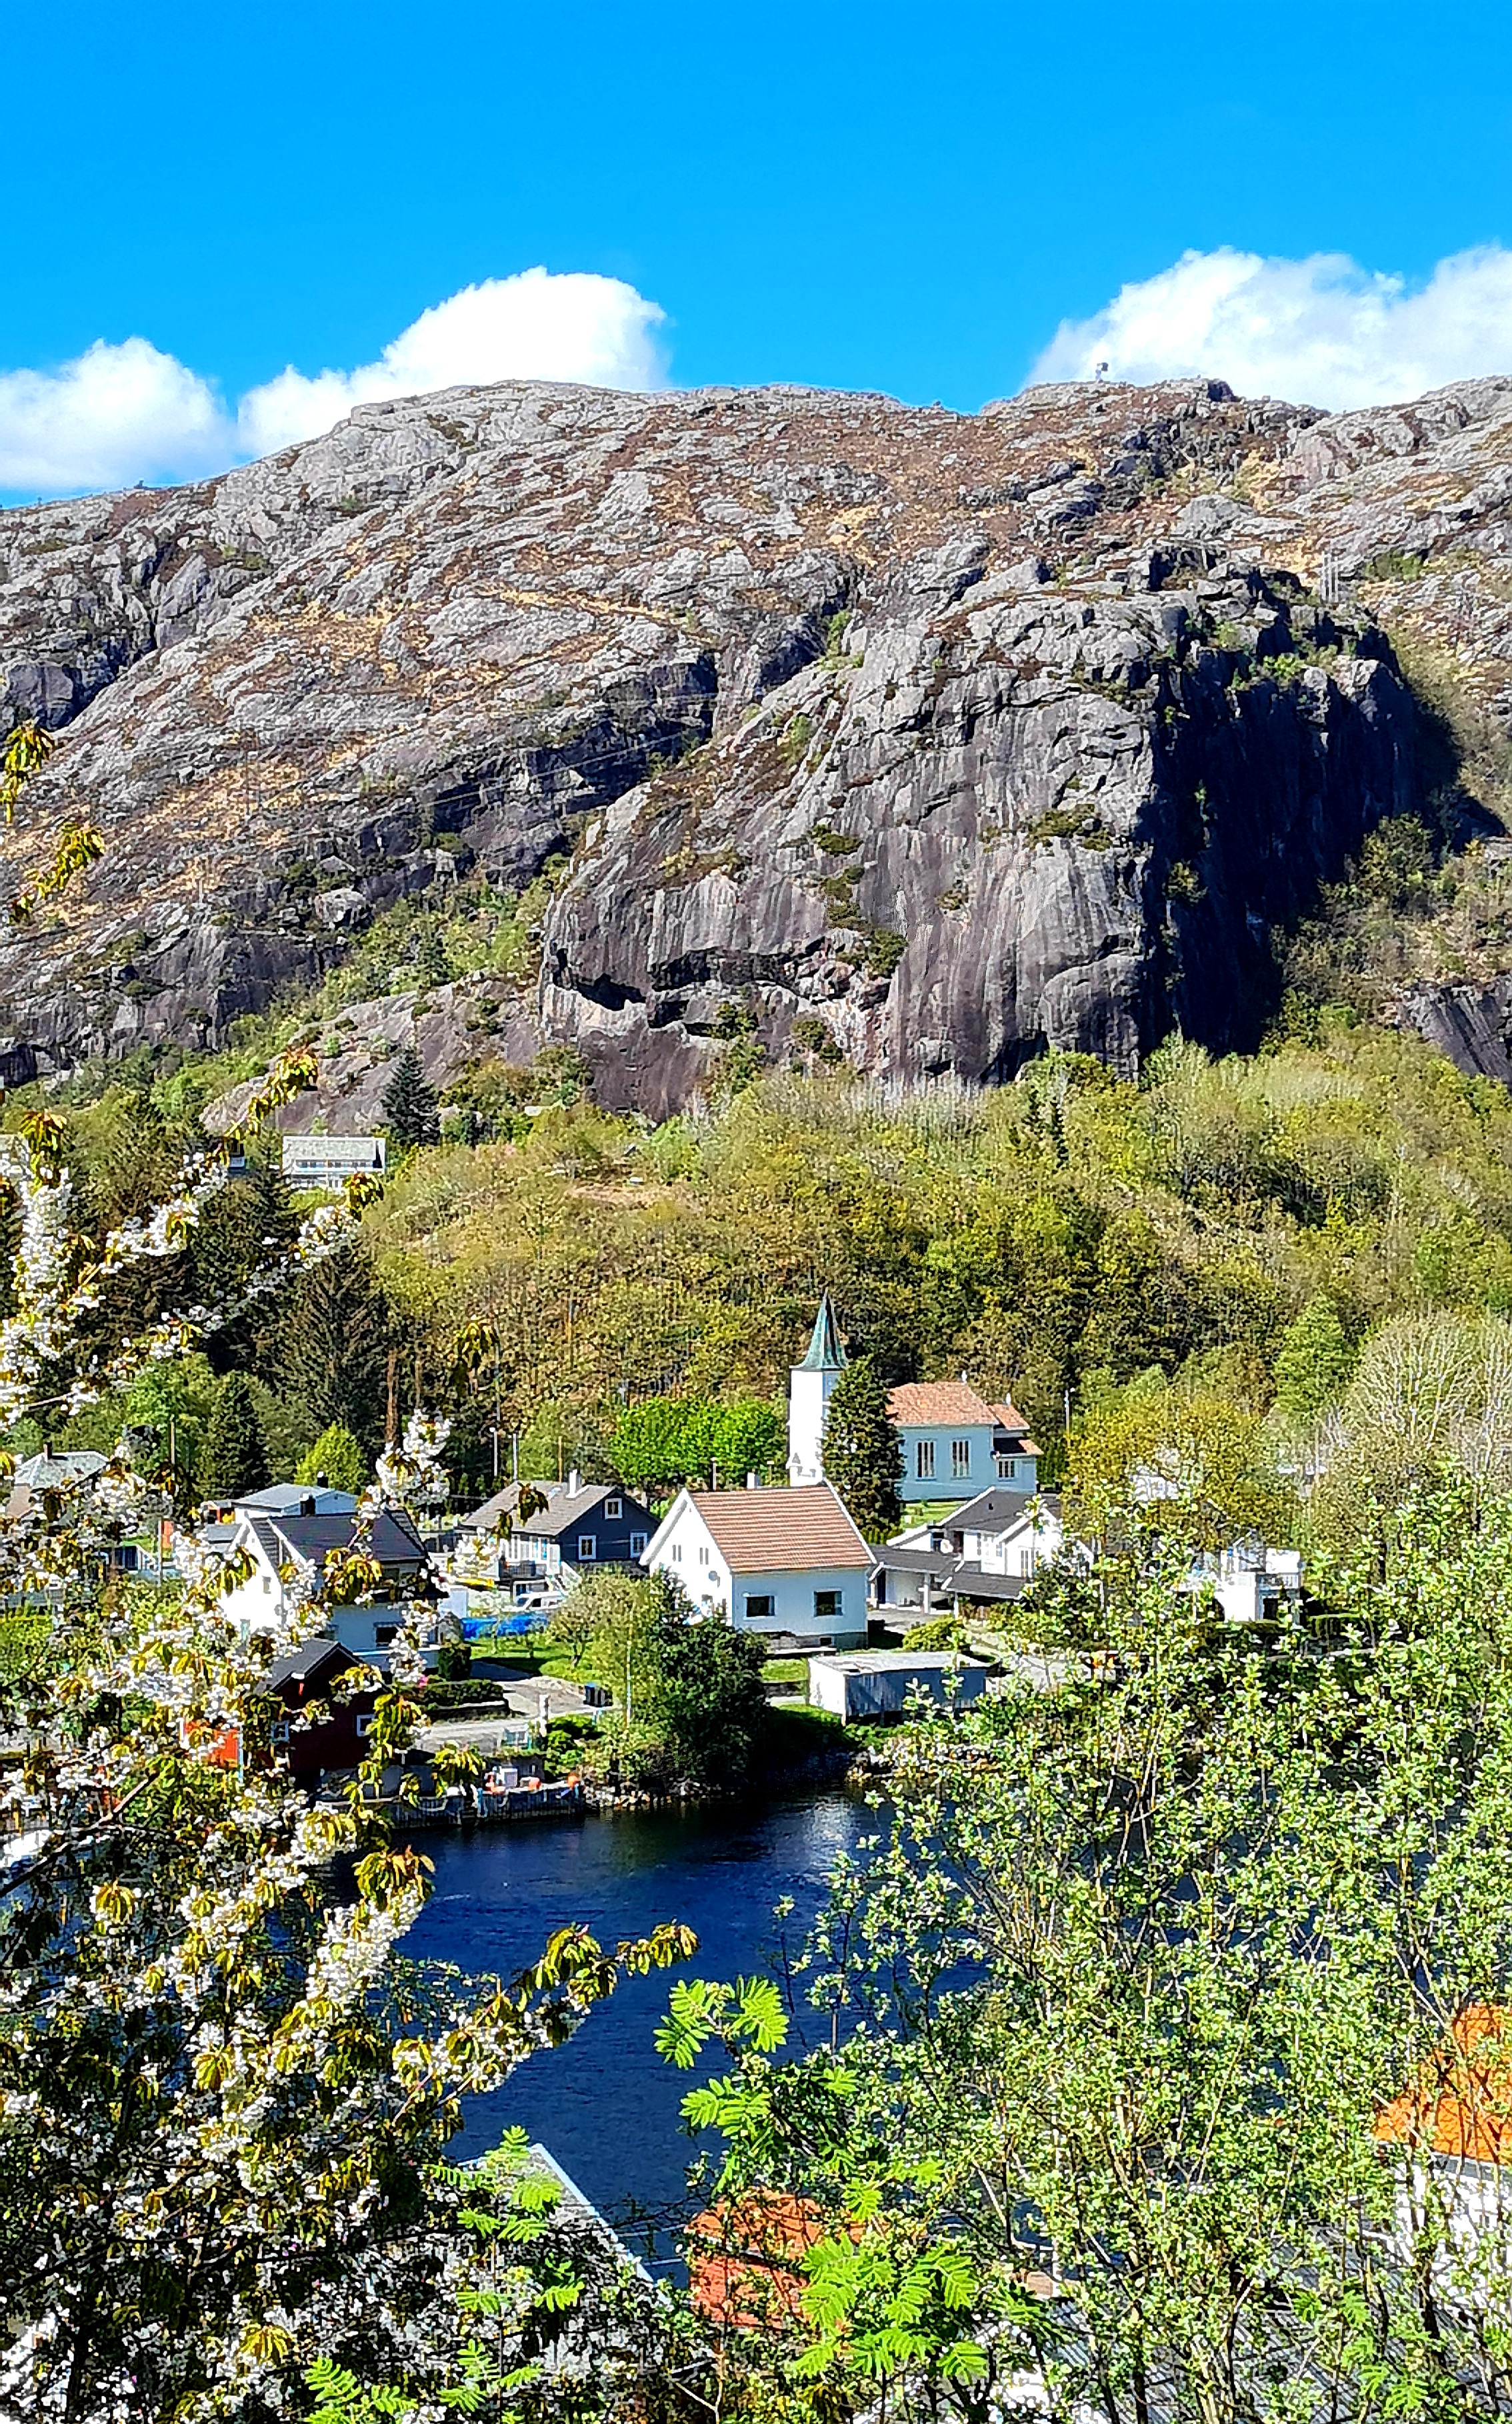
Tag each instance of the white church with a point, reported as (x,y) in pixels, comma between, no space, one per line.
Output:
(955,1442)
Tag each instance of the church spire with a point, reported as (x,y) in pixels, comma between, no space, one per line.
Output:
(825,1352)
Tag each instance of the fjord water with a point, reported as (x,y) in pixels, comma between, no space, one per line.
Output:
(606,2105)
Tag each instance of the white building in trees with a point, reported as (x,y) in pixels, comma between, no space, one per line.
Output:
(810,1387)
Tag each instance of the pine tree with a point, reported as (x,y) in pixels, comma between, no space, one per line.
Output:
(333,1346)
(240,1232)
(234,1458)
(863,1452)
(410,1108)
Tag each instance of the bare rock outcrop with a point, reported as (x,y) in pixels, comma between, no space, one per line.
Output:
(924,737)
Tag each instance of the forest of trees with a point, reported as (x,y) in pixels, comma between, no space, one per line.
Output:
(1297,1238)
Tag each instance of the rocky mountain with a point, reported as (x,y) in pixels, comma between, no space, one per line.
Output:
(926,739)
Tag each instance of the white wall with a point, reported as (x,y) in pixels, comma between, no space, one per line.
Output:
(689,1555)
(793,1599)
(808,1399)
(1023,1549)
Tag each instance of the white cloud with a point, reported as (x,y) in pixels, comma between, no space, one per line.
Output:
(119,413)
(1321,330)
(124,413)
(595,330)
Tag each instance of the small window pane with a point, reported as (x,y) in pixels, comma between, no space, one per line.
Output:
(761,1603)
(959,1459)
(926,1460)
(827,1603)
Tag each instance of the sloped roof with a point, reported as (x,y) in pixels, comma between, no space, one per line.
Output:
(392,1538)
(1460,2103)
(311,1659)
(287,1497)
(931,1402)
(55,1466)
(563,1507)
(992,1510)
(825,1352)
(781,1531)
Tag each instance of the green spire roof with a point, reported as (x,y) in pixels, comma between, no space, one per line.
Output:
(825,1352)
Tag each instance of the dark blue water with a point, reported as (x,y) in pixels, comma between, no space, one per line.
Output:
(605,2104)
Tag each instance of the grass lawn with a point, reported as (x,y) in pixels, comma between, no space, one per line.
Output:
(785,1670)
(533,1654)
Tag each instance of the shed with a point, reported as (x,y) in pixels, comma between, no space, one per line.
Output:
(877,1682)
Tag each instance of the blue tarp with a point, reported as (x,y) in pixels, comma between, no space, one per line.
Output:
(484,1628)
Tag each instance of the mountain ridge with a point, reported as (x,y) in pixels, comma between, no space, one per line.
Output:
(925,739)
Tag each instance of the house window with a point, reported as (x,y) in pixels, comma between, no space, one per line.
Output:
(677,1553)
(637,1543)
(760,1606)
(364,1725)
(959,1459)
(281,1729)
(587,1547)
(614,1509)
(1006,1468)
(826,1603)
(924,1460)
(384,1635)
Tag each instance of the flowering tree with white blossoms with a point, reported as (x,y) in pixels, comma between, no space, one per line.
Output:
(225,2094)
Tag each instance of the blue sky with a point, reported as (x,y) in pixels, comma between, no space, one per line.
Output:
(906,198)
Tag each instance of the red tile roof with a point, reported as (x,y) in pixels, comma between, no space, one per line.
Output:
(932,1402)
(744,2256)
(781,1531)
(1460,2102)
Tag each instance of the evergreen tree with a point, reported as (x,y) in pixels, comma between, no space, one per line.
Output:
(410,1108)
(234,1458)
(1313,1363)
(863,1452)
(333,1346)
(241,1230)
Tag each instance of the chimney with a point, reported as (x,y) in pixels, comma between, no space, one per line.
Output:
(307,1506)
(751,1481)
(574,1482)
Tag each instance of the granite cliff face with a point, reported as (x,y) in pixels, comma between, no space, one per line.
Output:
(927,739)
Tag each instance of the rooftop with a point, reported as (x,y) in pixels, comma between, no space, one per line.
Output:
(308,1661)
(1460,2102)
(287,1497)
(825,1352)
(391,1537)
(931,1402)
(998,1510)
(782,1531)
(563,1507)
(55,1466)
(895,1661)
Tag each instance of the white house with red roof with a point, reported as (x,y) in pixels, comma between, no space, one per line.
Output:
(770,1561)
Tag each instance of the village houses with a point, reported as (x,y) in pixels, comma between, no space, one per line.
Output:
(289,1545)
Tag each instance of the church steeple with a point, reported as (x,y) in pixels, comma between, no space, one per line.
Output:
(825,1352)
(808,1397)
